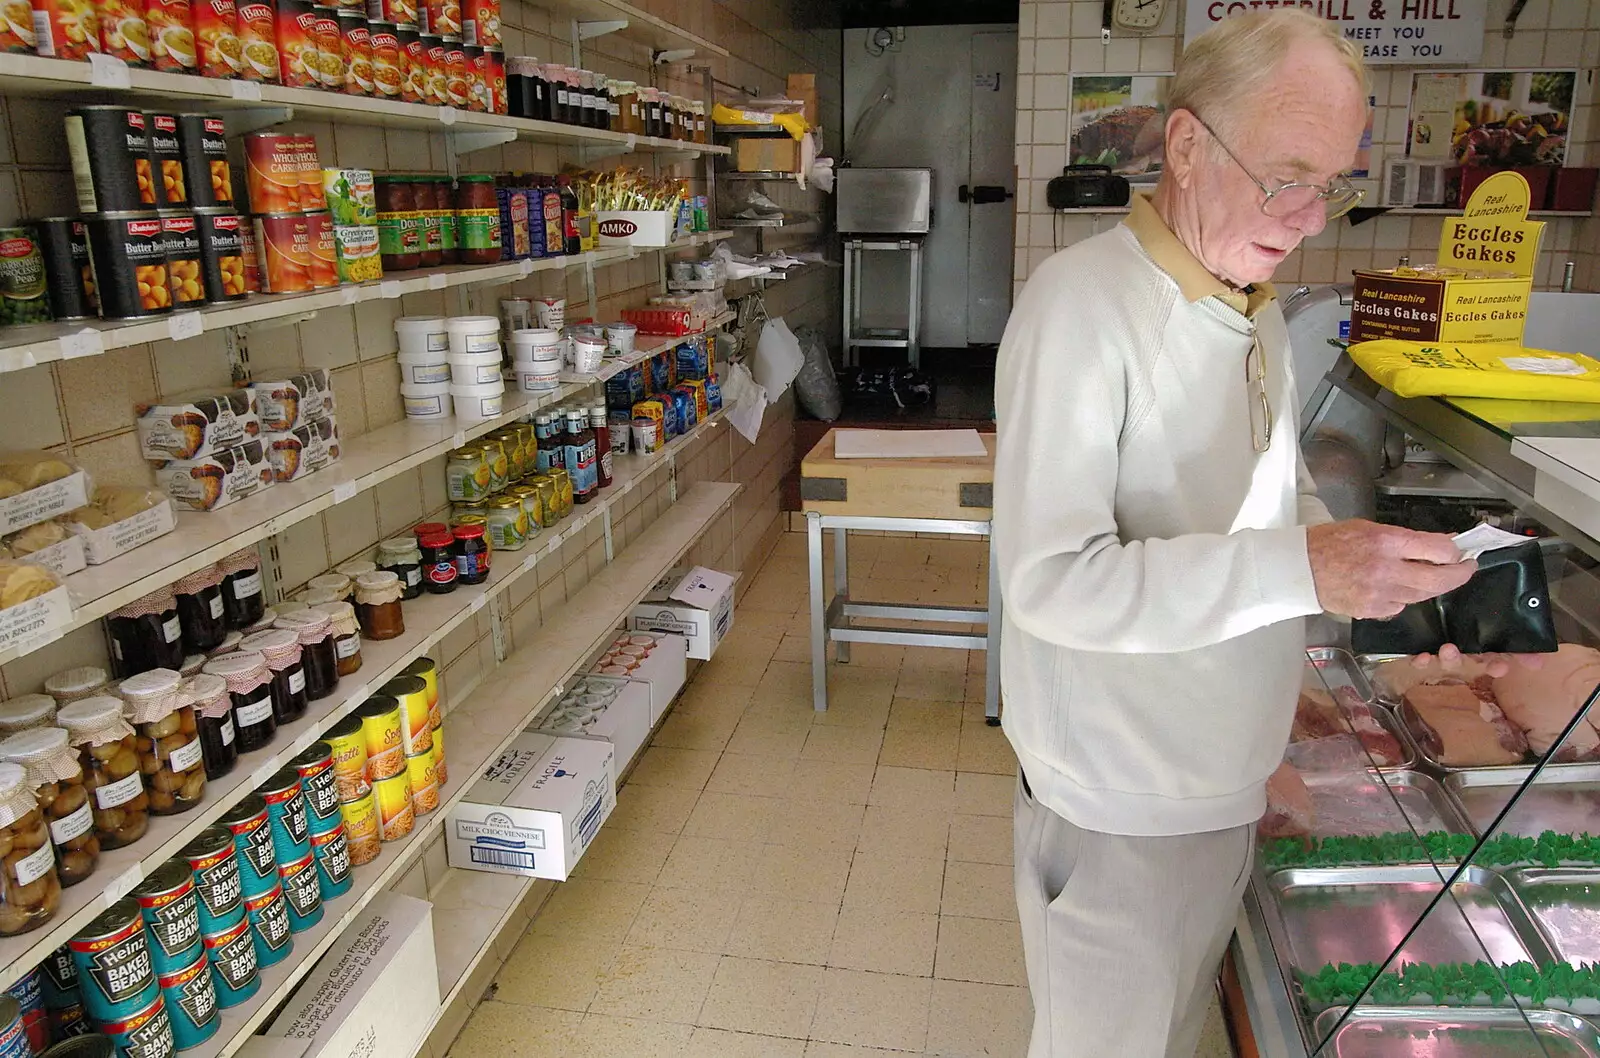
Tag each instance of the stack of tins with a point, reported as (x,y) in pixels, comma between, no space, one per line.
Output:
(294,238)
(290,826)
(169,905)
(264,901)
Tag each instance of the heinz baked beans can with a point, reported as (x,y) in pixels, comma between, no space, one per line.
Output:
(330,53)
(255,23)
(190,997)
(269,920)
(64,241)
(355,43)
(235,969)
(456,83)
(146,1032)
(216,36)
(272,172)
(171,40)
(166,160)
(387,70)
(311,196)
(433,68)
(333,863)
(128,254)
(303,891)
(221,253)
(182,234)
(206,174)
(283,252)
(324,250)
(64,29)
(110,151)
(297,43)
(115,973)
(414,64)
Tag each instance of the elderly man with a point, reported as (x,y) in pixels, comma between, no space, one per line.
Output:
(1159,542)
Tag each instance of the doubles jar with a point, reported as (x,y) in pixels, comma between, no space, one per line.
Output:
(108,753)
(57,777)
(318,655)
(378,605)
(280,648)
(346,635)
(168,740)
(146,634)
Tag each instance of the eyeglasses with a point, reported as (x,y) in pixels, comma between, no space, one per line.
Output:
(1255,380)
(1338,197)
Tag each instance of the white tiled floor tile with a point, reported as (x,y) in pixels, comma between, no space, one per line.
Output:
(710,864)
(802,873)
(873,1010)
(687,919)
(591,905)
(843,745)
(734,817)
(818,1049)
(556,970)
(970,1020)
(659,984)
(884,941)
(678,768)
(905,832)
(720,1043)
(756,995)
(517,1031)
(821,780)
(979,890)
(980,949)
(797,822)
(783,929)
(603,1036)
(619,855)
(663,810)
(981,839)
(916,788)
(981,794)
(897,883)
(737,773)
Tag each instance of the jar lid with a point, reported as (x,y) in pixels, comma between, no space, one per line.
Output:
(269,617)
(199,580)
(192,664)
(242,670)
(440,539)
(376,589)
(343,616)
(471,178)
(468,531)
(94,720)
(285,606)
(355,568)
(155,683)
(230,643)
(331,582)
(512,502)
(24,746)
(76,683)
(16,795)
(398,546)
(317,597)
(310,625)
(159,601)
(27,709)
(207,689)
(280,646)
(239,561)
(422,529)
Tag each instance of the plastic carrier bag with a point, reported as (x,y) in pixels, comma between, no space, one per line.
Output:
(1488,369)
(816,385)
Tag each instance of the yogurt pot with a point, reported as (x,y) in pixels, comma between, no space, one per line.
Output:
(475,369)
(619,336)
(423,369)
(431,400)
(536,343)
(483,401)
(422,336)
(588,351)
(538,376)
(552,312)
(473,334)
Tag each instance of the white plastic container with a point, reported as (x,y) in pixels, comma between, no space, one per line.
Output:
(535,344)
(588,352)
(552,312)
(537,376)
(482,401)
(421,369)
(473,334)
(620,336)
(475,369)
(422,336)
(430,400)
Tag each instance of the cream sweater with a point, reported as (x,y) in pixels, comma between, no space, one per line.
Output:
(1152,565)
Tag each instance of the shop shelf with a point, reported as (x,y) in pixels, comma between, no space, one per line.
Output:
(729,174)
(642,26)
(643,351)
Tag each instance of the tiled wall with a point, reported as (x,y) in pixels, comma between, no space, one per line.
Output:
(1058,38)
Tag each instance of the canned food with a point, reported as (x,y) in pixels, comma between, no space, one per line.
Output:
(217,886)
(467,475)
(424,781)
(480,23)
(333,863)
(252,262)
(297,45)
(498,103)
(355,44)
(115,974)
(286,812)
(272,172)
(414,62)
(64,29)
(70,1024)
(128,255)
(396,814)
(269,921)
(283,252)
(477,68)
(455,72)
(170,910)
(14,1041)
(256,26)
(29,995)
(252,841)
(440,772)
(358,257)
(444,17)
(348,743)
(60,977)
(221,254)
(428,670)
(24,281)
(190,997)
(411,692)
(400,12)
(324,250)
(302,891)
(361,832)
(123,34)
(311,197)
(110,151)
(380,728)
(508,524)
(330,52)
(216,37)
(145,1033)
(204,156)
(182,235)
(166,160)
(432,45)
(235,970)
(387,72)
(319,786)
(171,39)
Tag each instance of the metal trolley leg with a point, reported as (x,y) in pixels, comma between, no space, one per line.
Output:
(841,589)
(819,631)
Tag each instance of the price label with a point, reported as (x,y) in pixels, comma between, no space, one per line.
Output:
(631,142)
(530,561)
(108,71)
(303,743)
(345,490)
(459,440)
(249,90)
(84,343)
(348,295)
(480,601)
(185,325)
(527,267)
(123,884)
(389,288)
(437,281)
(360,694)
(265,772)
(447,115)
(555,542)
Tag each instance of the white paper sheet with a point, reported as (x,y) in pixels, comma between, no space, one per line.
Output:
(1485,537)
(908,444)
(746,402)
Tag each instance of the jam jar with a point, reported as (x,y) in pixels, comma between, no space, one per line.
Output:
(146,634)
(337,583)
(268,618)
(250,693)
(378,605)
(30,891)
(320,596)
(192,665)
(69,685)
(213,715)
(230,643)
(401,557)
(346,635)
(242,598)
(281,649)
(354,568)
(471,553)
(58,782)
(317,655)
(26,711)
(170,753)
(108,752)
(202,616)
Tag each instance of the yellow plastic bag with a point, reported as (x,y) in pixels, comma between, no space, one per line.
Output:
(794,124)
(1488,369)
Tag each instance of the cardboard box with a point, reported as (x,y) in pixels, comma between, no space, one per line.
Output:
(376,990)
(118,538)
(766,154)
(696,604)
(663,668)
(535,809)
(191,427)
(64,558)
(625,720)
(217,480)
(30,625)
(267,1047)
(45,502)
(307,448)
(282,404)
(803,86)
(635,227)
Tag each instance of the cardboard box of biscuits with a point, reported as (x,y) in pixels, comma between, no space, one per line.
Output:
(195,426)
(37,486)
(33,603)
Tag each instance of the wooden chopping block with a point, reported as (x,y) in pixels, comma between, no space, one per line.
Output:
(952,489)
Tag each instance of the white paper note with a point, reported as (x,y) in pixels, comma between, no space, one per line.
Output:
(1485,537)
(908,444)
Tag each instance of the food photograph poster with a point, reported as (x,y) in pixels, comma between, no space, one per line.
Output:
(1118,120)
(1497,118)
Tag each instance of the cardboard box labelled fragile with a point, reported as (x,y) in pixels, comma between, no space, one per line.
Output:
(376,990)
(696,604)
(766,154)
(625,722)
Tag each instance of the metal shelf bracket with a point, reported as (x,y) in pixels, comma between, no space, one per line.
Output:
(466,141)
(591,30)
(246,120)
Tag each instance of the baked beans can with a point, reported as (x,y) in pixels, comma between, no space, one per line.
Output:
(415,62)
(69,281)
(286,811)
(128,254)
(60,978)
(190,997)
(320,787)
(166,160)
(64,29)
(361,828)
(70,1022)
(348,744)
(433,68)
(498,102)
(170,909)
(311,196)
(324,250)
(252,841)
(396,814)
(171,40)
(220,892)
(123,33)
(303,892)
(477,67)
(255,24)
(269,921)
(221,253)
(388,73)
(283,252)
(330,52)
(355,43)
(420,770)
(115,974)
(333,862)
(456,83)
(146,1032)
(182,233)
(272,172)
(110,151)
(400,12)
(444,17)
(29,994)
(216,35)
(297,43)
(252,260)
(235,969)
(204,148)
(480,23)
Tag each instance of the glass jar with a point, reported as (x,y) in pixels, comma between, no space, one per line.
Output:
(281,649)
(317,655)
(430,223)
(242,598)
(108,752)
(438,562)
(562,480)
(30,892)
(399,233)
(472,554)
(467,476)
(478,219)
(231,641)
(192,665)
(71,685)
(443,199)
(337,583)
(346,635)
(58,786)
(250,694)
(201,611)
(25,712)
(354,568)
(269,617)
(494,453)
(401,557)
(146,634)
(516,467)
(213,715)
(170,754)
(508,523)
(378,605)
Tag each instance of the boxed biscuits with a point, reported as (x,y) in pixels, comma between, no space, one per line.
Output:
(37,486)
(191,427)
(218,479)
(118,520)
(285,403)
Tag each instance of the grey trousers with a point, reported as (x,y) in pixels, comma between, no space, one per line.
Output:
(1123,935)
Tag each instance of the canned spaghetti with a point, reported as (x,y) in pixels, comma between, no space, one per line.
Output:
(235,970)
(128,254)
(433,68)
(171,40)
(182,235)
(203,152)
(456,84)
(348,744)
(361,828)
(283,252)
(269,921)
(380,727)
(444,18)
(64,29)
(424,782)
(221,254)
(396,814)
(110,151)
(272,172)
(387,71)
(297,43)
(190,998)
(330,53)
(146,1033)
(414,62)
(303,892)
(440,772)
(411,693)
(355,44)
(311,196)
(216,37)
(477,70)
(115,974)
(255,24)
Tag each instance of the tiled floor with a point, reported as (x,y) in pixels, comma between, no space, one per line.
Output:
(776,883)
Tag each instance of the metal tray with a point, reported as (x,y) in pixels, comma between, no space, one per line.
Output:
(1359,915)
(1471,1032)
(1565,903)
(1381,801)
(1565,798)
(1329,668)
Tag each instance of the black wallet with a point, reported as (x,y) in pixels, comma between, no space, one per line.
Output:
(1504,608)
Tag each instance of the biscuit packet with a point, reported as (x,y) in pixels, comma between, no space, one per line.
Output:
(119,519)
(31,607)
(37,486)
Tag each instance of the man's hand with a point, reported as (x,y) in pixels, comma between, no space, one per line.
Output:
(1450,661)
(1363,569)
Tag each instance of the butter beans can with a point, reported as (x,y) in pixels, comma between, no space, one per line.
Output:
(252,840)
(169,907)
(110,151)
(215,864)
(221,253)
(181,232)
(320,787)
(333,862)
(396,814)
(116,976)
(348,743)
(380,727)
(235,969)
(269,920)
(361,832)
(145,1033)
(128,257)
(190,997)
(286,812)
(302,891)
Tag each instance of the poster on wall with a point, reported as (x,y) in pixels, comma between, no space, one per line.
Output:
(1119,120)
(1390,32)
(1497,118)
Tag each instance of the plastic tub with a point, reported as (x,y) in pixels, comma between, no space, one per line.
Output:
(422,336)
(475,369)
(552,312)
(430,400)
(620,337)
(478,402)
(423,369)
(536,344)
(587,353)
(540,376)
(473,334)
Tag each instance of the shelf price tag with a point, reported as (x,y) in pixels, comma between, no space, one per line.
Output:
(480,601)
(555,542)
(84,343)
(345,490)
(527,267)
(459,440)
(247,90)
(265,772)
(437,281)
(185,325)
(123,884)
(447,115)
(530,561)
(389,288)
(349,294)
(632,141)
(108,71)
(303,743)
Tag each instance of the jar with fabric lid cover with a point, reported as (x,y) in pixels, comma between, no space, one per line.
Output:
(231,641)
(108,752)
(30,891)
(402,557)
(26,711)
(146,634)
(268,618)
(242,597)
(192,665)
(57,777)
(202,615)
(213,715)
(334,582)
(250,693)
(71,685)
(170,754)
(281,649)
(346,635)
(320,596)
(378,605)
(355,568)
(285,606)
(317,655)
